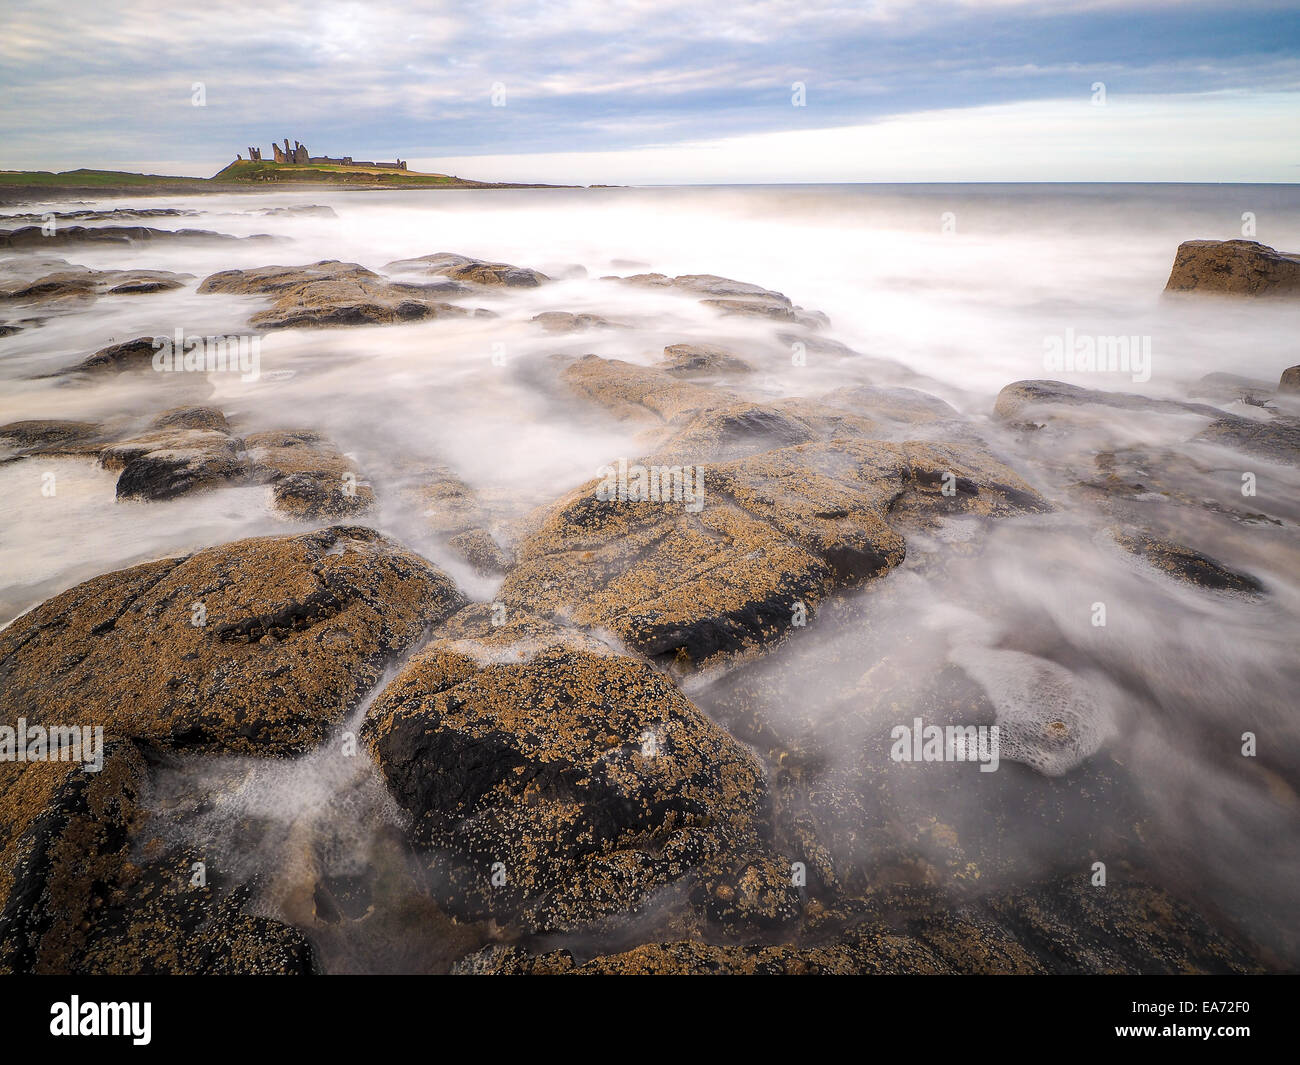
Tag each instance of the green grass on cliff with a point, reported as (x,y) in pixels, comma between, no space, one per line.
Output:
(88,178)
(244,170)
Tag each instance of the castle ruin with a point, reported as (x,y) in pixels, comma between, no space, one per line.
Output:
(298,156)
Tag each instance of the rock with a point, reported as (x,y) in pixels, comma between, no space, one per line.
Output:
(1278,439)
(296,629)
(626,390)
(279,280)
(1184,564)
(332,293)
(480,550)
(1234,267)
(310,479)
(129,355)
(776,529)
(81,282)
(192,418)
(35,236)
(313,210)
(689,359)
(170,462)
(52,437)
(733,297)
(474,271)
(564,322)
(1290,380)
(1230,388)
(1025,399)
(586,774)
(1058,926)
(76,899)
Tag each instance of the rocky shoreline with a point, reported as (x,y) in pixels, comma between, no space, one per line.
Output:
(579,775)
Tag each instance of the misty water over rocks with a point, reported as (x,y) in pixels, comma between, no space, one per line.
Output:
(1115,587)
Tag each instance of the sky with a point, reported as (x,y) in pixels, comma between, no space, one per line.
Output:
(664,91)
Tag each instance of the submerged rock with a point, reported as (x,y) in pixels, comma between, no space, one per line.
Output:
(1234,267)
(690,359)
(36,236)
(566,322)
(1185,564)
(257,646)
(474,271)
(83,283)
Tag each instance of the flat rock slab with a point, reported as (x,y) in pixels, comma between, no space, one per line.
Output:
(332,293)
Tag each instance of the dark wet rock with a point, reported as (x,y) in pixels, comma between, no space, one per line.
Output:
(1027,399)
(35,237)
(1234,267)
(76,899)
(1277,439)
(116,214)
(1183,563)
(169,462)
(128,355)
(784,527)
(8,329)
(689,359)
(585,774)
(295,630)
(565,322)
(310,478)
(1290,380)
(473,271)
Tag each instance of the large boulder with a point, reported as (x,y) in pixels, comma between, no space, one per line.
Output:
(258,646)
(1234,267)
(770,537)
(552,780)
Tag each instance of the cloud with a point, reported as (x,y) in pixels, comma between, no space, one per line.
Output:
(104,83)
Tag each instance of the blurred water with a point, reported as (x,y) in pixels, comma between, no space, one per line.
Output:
(1173,680)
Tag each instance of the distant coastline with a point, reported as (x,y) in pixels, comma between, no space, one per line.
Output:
(239,175)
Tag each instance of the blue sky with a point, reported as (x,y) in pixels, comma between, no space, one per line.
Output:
(665,90)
